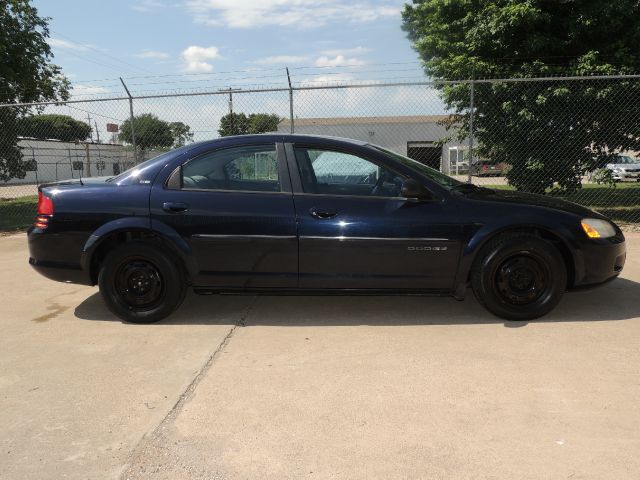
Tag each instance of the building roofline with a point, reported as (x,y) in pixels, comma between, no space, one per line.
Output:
(365,120)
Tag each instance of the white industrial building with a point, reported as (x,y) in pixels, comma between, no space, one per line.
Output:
(51,160)
(421,137)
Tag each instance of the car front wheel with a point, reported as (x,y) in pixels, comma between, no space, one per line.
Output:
(141,283)
(519,276)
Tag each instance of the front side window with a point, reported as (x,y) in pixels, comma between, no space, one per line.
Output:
(337,173)
(432,174)
(250,168)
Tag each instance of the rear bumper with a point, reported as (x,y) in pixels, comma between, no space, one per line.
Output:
(61,272)
(57,256)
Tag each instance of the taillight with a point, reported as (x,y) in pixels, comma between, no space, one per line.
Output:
(45,210)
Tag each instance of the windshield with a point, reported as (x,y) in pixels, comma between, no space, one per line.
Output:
(431,173)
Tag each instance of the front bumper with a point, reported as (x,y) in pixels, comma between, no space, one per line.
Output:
(599,261)
(626,176)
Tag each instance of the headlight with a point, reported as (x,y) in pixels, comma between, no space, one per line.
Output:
(617,170)
(596,228)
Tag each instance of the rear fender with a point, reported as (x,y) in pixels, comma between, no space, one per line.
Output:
(139,224)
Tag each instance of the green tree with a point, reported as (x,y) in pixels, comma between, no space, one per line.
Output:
(26,75)
(181,133)
(550,132)
(241,124)
(151,132)
(58,127)
(233,124)
(263,122)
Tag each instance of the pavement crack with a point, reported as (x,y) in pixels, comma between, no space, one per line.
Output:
(188,392)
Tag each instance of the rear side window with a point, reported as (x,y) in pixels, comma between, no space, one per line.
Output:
(249,168)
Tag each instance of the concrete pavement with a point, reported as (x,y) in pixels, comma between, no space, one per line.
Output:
(316,387)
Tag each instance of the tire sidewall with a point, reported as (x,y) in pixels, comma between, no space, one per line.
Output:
(484,279)
(170,274)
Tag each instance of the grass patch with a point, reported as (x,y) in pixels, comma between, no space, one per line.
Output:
(621,204)
(18,213)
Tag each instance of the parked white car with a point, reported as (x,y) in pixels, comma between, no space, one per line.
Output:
(625,168)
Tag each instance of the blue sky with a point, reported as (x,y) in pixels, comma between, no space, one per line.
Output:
(159,45)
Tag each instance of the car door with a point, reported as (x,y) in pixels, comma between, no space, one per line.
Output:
(234,207)
(357,232)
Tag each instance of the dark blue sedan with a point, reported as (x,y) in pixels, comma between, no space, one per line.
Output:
(268,214)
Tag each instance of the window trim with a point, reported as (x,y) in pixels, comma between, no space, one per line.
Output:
(283,173)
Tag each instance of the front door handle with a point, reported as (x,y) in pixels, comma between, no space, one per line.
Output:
(175,207)
(322,214)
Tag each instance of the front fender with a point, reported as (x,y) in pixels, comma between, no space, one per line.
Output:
(485,232)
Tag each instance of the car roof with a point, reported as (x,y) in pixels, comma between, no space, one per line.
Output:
(280,137)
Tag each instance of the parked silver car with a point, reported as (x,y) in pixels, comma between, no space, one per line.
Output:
(625,168)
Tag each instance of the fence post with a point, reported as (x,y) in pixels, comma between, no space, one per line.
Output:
(33,155)
(133,132)
(290,101)
(471,131)
(231,117)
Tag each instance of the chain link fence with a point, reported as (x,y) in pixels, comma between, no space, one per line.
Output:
(573,137)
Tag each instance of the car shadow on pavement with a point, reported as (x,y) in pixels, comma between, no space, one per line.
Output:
(617,300)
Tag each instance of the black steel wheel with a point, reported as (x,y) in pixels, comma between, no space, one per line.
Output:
(141,283)
(522,279)
(519,276)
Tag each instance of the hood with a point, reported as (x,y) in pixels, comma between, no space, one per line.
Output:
(513,197)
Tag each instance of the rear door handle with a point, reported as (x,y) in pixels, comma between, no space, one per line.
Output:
(322,214)
(175,207)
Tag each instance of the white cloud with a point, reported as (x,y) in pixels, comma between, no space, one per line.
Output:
(147,6)
(338,61)
(80,89)
(195,58)
(298,13)
(280,59)
(66,44)
(152,54)
(345,51)
(321,80)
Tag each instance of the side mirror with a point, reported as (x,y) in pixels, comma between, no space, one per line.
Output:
(413,191)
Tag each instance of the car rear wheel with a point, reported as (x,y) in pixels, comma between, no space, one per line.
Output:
(141,283)
(519,277)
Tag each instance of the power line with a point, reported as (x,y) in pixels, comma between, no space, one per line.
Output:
(135,67)
(95,113)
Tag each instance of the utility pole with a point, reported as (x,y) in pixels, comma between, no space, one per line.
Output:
(89,122)
(97,131)
(87,155)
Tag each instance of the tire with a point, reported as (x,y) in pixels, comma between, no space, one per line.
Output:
(141,283)
(519,276)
